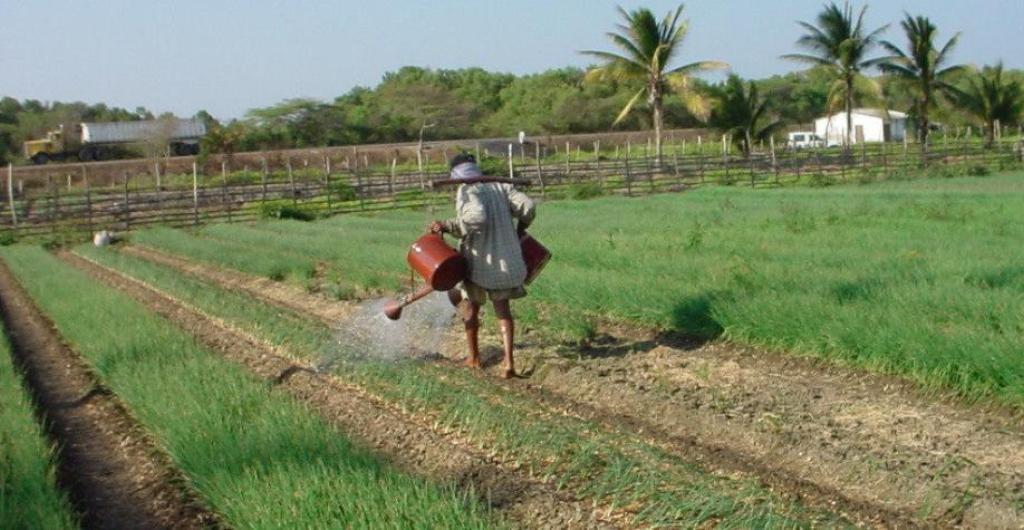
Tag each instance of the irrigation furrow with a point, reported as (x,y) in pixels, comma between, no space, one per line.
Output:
(116,475)
(414,443)
(865,445)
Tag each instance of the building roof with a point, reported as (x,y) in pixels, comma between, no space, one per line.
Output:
(884,114)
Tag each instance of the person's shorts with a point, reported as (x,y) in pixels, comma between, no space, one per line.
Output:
(478,295)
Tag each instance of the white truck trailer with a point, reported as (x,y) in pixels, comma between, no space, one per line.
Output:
(95,141)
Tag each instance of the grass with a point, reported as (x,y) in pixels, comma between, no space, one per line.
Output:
(29,497)
(258,458)
(916,278)
(612,467)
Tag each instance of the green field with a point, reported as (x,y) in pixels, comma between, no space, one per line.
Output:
(916,278)
(257,458)
(28,495)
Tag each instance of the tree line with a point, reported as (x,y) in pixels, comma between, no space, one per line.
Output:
(643,84)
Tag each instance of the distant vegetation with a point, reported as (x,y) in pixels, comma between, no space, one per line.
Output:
(473,102)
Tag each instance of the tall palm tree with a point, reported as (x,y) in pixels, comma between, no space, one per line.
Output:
(649,47)
(841,43)
(988,97)
(922,67)
(740,111)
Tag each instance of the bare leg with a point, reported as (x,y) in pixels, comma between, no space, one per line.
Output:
(471,318)
(503,310)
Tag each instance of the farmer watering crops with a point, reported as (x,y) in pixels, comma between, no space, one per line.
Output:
(490,217)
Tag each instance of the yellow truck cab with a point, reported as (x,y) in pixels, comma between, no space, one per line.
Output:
(41,151)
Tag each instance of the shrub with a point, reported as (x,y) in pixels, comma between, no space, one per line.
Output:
(821,180)
(284,209)
(343,191)
(978,170)
(585,190)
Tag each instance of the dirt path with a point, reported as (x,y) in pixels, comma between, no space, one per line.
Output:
(414,444)
(860,442)
(115,475)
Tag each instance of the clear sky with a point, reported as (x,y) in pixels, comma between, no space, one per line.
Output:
(227,56)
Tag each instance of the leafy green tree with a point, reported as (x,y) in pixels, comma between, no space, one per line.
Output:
(740,111)
(798,97)
(989,97)
(648,50)
(923,68)
(841,43)
(555,102)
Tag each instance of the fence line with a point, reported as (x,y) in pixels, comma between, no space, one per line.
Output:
(72,207)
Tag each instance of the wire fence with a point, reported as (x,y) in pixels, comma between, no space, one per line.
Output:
(75,205)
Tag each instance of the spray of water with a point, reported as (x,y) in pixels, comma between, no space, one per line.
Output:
(367,335)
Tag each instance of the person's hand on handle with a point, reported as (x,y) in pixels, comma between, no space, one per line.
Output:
(436,227)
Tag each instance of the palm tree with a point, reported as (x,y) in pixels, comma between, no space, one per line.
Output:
(840,43)
(923,68)
(989,98)
(741,112)
(649,48)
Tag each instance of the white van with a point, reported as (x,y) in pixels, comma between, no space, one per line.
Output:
(804,140)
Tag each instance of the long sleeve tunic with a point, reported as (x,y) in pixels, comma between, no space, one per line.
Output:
(484,222)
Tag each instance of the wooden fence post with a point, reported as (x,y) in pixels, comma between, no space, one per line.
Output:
(725,156)
(156,172)
(700,157)
(510,171)
(327,181)
(476,150)
(629,177)
(10,196)
(263,180)
(568,169)
(88,200)
(291,179)
(359,185)
(224,188)
(885,159)
(906,151)
(127,206)
(675,159)
(419,167)
(195,195)
(750,158)
(391,180)
(540,168)
(50,211)
(775,161)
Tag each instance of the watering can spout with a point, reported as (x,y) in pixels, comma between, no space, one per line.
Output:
(393,309)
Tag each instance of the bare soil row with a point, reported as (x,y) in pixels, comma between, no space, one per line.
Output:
(115,474)
(870,446)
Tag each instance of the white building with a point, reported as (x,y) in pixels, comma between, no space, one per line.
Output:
(869,125)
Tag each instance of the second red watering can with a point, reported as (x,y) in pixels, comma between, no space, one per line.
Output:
(443,268)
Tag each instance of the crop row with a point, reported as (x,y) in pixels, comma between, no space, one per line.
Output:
(29,497)
(255,457)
